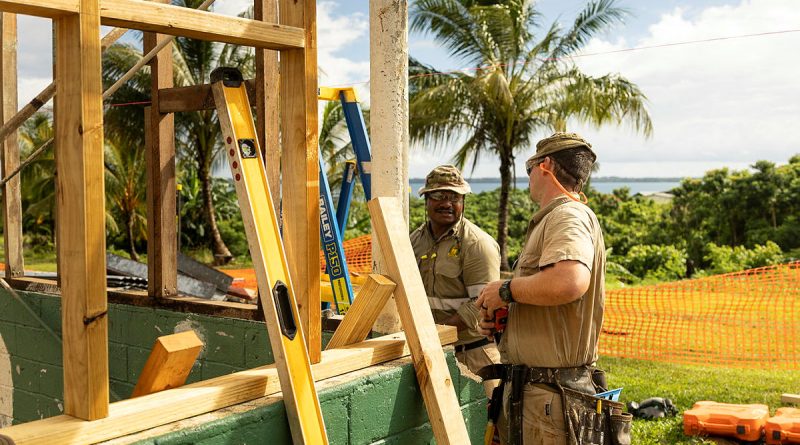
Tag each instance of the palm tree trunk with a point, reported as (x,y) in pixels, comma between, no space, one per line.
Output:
(131,243)
(221,253)
(502,211)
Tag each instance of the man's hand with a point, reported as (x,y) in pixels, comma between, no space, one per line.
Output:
(488,302)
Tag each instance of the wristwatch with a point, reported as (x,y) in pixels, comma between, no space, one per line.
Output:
(505,292)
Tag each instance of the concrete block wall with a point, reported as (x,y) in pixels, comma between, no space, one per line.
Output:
(382,408)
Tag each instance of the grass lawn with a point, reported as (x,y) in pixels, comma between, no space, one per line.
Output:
(686,385)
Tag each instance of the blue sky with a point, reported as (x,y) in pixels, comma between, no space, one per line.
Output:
(714,104)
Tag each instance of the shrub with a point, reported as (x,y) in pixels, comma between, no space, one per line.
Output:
(724,259)
(656,261)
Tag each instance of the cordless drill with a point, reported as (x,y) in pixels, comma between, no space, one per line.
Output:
(500,321)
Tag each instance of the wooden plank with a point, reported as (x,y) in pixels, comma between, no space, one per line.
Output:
(140,298)
(195,97)
(12,199)
(267,102)
(162,233)
(179,21)
(366,307)
(415,314)
(169,363)
(300,163)
(80,210)
(169,19)
(141,413)
(790,398)
(41,8)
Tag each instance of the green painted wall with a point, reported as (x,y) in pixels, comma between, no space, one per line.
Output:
(383,408)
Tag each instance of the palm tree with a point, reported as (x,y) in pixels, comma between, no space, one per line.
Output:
(38,180)
(525,83)
(198,132)
(125,159)
(198,135)
(125,190)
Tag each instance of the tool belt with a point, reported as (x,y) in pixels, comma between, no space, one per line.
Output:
(588,419)
(476,344)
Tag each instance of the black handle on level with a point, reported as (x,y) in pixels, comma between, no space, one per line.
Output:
(283,306)
(230,77)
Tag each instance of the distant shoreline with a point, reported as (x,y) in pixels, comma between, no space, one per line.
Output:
(598,179)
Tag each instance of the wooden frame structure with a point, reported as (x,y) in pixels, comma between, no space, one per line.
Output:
(286,103)
(78,113)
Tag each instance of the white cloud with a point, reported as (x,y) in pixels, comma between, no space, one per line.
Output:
(726,102)
(334,34)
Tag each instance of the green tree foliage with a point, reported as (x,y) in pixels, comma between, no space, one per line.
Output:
(38,186)
(198,132)
(724,259)
(525,83)
(654,241)
(653,261)
(738,208)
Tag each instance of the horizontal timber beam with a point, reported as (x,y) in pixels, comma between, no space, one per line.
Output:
(140,298)
(194,98)
(172,20)
(130,416)
(40,8)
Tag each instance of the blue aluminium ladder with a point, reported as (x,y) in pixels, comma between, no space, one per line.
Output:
(346,194)
(332,229)
(331,237)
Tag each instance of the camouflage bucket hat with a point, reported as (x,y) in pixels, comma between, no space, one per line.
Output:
(558,142)
(445,177)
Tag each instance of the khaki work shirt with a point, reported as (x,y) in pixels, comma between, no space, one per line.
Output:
(565,335)
(454,269)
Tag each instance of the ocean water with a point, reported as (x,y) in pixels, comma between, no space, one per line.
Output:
(603,187)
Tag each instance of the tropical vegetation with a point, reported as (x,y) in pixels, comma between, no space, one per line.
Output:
(522,84)
(647,240)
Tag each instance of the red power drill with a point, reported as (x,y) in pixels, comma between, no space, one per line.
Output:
(500,319)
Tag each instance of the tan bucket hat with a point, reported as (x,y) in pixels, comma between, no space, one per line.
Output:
(445,177)
(558,142)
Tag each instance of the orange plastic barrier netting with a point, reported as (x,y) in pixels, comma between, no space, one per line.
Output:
(743,319)
(358,252)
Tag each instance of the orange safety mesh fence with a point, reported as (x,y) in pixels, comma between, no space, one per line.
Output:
(743,319)
(358,252)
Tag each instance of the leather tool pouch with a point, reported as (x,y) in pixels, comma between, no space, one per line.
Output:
(519,376)
(590,423)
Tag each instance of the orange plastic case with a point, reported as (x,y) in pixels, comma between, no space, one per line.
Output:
(744,422)
(784,427)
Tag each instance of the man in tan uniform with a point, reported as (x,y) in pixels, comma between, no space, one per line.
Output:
(456,259)
(555,303)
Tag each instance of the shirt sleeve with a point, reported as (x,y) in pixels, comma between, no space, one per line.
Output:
(568,236)
(481,266)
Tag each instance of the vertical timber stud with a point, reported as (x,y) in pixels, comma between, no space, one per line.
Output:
(300,166)
(162,271)
(267,103)
(12,201)
(433,376)
(388,72)
(80,191)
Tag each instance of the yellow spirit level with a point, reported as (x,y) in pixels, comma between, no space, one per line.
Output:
(269,259)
